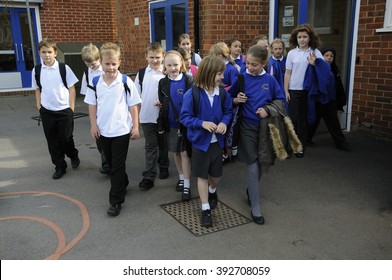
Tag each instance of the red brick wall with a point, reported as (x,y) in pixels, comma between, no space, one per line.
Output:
(79,20)
(219,20)
(372,93)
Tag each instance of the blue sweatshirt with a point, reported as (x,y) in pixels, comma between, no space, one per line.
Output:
(279,68)
(260,90)
(229,75)
(177,90)
(197,135)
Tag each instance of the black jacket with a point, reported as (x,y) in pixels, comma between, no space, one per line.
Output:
(163,95)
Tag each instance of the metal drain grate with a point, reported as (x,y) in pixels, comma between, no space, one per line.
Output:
(188,213)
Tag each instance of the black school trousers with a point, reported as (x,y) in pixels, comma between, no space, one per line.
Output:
(298,112)
(116,150)
(58,128)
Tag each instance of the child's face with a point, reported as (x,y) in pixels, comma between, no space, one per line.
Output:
(154,59)
(303,40)
(185,44)
(329,57)
(263,43)
(218,78)
(235,48)
(110,65)
(94,65)
(188,61)
(173,65)
(48,55)
(253,65)
(277,50)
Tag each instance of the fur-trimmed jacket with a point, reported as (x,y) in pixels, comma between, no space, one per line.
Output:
(276,135)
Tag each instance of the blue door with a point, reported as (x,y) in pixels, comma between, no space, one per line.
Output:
(169,19)
(16,53)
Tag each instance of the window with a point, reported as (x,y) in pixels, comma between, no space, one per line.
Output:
(387,17)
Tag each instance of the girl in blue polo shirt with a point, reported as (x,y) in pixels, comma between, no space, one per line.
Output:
(260,89)
(206,116)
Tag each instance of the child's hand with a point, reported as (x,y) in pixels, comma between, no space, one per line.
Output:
(221,128)
(262,113)
(209,126)
(312,58)
(135,133)
(241,97)
(95,133)
(158,104)
(287,97)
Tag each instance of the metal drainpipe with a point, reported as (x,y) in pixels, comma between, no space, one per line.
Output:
(196,25)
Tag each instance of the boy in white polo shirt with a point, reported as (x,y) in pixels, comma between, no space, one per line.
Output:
(156,145)
(113,111)
(55,100)
(91,57)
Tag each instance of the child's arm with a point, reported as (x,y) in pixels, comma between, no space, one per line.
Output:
(135,121)
(92,112)
(72,96)
(287,76)
(38,98)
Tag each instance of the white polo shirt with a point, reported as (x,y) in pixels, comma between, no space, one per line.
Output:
(149,112)
(297,62)
(91,75)
(113,115)
(54,94)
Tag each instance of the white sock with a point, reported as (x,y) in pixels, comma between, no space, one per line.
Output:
(181,177)
(187,183)
(205,206)
(211,190)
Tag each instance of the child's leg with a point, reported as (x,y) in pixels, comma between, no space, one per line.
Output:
(150,132)
(254,175)
(163,151)
(186,168)
(118,177)
(202,187)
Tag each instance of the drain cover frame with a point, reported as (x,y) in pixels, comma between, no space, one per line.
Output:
(187,213)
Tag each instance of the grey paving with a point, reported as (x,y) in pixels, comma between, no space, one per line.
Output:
(328,205)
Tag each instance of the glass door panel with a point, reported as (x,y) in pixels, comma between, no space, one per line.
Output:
(178,25)
(159,21)
(7,52)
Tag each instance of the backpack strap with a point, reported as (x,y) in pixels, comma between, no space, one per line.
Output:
(94,87)
(63,73)
(142,71)
(126,88)
(37,70)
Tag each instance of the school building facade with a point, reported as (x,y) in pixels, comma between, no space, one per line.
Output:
(360,31)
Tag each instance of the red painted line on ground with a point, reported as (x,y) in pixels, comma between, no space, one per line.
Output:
(85,219)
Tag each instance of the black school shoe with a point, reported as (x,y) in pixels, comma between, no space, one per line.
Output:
(58,173)
(114,210)
(163,173)
(213,199)
(146,184)
(75,162)
(206,219)
(180,186)
(186,194)
(258,219)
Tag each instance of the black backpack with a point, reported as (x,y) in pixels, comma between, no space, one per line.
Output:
(142,71)
(63,74)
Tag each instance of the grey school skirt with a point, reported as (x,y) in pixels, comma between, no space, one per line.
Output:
(248,143)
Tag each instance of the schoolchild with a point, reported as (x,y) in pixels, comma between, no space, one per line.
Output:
(222,50)
(328,110)
(113,110)
(171,90)
(260,89)
(206,116)
(184,42)
(91,57)
(305,41)
(260,40)
(190,68)
(156,151)
(236,54)
(55,100)
(277,61)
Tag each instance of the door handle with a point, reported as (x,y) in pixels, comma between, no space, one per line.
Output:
(16,51)
(21,51)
